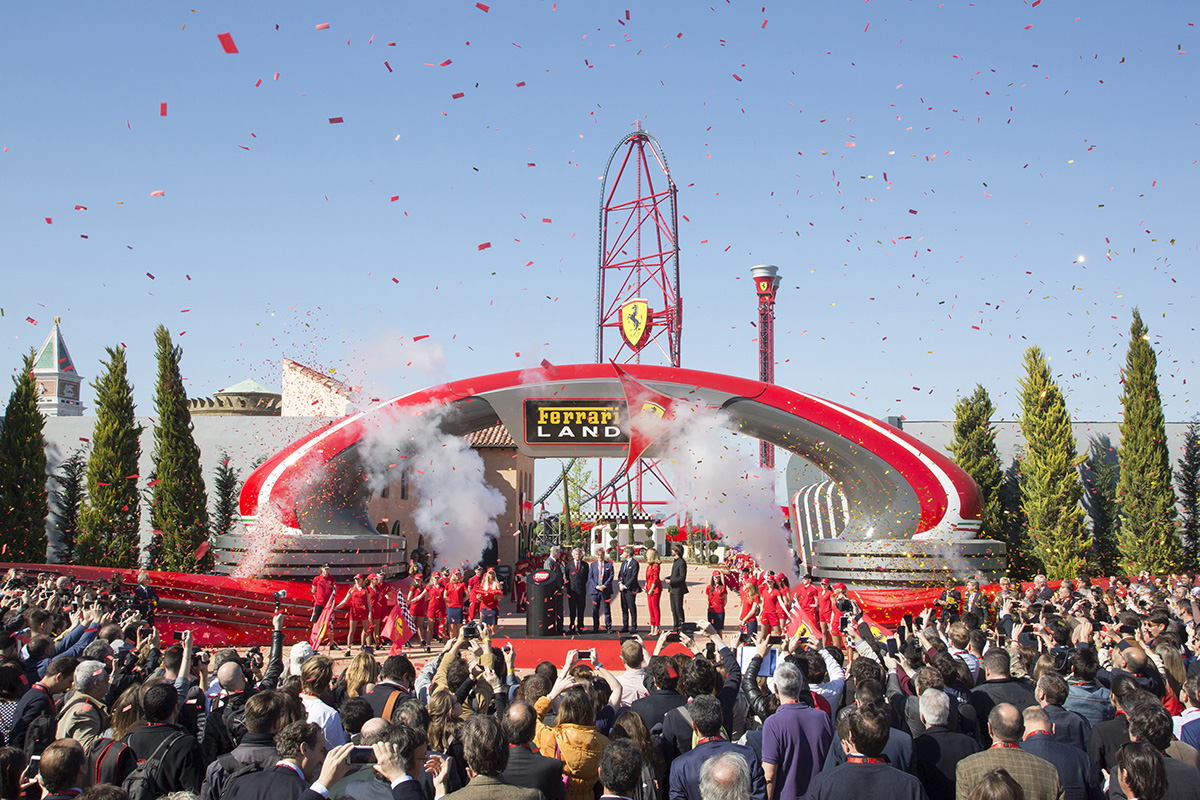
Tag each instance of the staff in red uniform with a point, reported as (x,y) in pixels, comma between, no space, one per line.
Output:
(717,596)
(825,611)
(473,591)
(359,600)
(751,605)
(437,606)
(379,595)
(322,588)
(456,592)
(418,604)
(489,592)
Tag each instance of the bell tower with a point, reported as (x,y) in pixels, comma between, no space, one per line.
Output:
(58,383)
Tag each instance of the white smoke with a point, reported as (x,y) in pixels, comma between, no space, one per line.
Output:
(721,483)
(455,509)
(372,368)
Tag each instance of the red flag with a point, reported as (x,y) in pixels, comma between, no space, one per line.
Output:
(322,627)
(647,410)
(407,628)
(800,618)
(876,628)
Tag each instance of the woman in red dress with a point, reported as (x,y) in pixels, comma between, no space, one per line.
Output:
(359,600)
(751,605)
(653,588)
(418,602)
(489,592)
(717,596)
(771,613)
(381,603)
(456,592)
(437,606)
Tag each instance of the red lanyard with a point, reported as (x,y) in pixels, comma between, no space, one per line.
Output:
(865,760)
(704,739)
(1005,744)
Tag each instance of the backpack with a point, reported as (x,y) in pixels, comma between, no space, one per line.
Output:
(41,731)
(232,769)
(112,761)
(142,783)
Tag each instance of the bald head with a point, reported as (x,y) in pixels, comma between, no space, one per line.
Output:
(230,676)
(1135,658)
(1037,720)
(373,730)
(1006,724)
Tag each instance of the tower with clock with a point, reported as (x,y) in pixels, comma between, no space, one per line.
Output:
(58,383)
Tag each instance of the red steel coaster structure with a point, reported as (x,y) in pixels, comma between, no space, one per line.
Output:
(639,312)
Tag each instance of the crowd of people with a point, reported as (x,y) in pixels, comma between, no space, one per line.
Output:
(1079,692)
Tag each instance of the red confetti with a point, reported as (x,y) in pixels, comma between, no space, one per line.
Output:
(482,7)
(389,66)
(31,320)
(227,42)
(764,24)
(545,219)
(912,211)
(162,109)
(153,483)
(1027,27)
(335,120)
(422,336)
(395,197)
(324,26)
(456,95)
(201,551)
(150,276)
(445,63)
(49,221)
(80,208)
(736,77)
(679,36)
(1035,3)
(519,85)
(394,280)
(258,82)
(275,78)
(485,245)
(158,193)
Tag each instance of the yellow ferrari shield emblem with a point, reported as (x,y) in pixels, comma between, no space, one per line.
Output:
(653,408)
(635,322)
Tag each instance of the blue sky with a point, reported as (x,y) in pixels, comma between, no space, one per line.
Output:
(1023,136)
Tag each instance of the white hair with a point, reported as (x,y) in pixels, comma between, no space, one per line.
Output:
(88,674)
(935,707)
(725,776)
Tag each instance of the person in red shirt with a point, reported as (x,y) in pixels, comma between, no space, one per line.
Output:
(806,596)
(751,605)
(456,593)
(437,606)
(418,604)
(717,596)
(825,611)
(772,616)
(379,594)
(323,587)
(835,613)
(653,586)
(489,600)
(473,591)
(359,599)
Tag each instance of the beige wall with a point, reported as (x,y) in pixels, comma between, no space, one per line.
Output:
(505,469)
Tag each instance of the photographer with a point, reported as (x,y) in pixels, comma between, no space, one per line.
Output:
(225,723)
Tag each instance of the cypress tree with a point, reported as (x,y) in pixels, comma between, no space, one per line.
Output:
(179,511)
(225,485)
(23,505)
(974,449)
(1050,490)
(1100,475)
(109,523)
(1148,537)
(68,498)
(1012,522)
(1187,482)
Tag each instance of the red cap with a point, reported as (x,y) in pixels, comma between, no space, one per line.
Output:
(841,586)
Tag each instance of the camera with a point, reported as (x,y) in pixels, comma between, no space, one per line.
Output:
(362,754)
(584,655)
(845,605)
(470,630)
(281,594)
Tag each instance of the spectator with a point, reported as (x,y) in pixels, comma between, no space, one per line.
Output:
(997,785)
(63,771)
(1107,736)
(698,678)
(84,717)
(354,713)
(12,769)
(654,775)
(1037,777)
(898,750)
(182,766)
(1185,731)
(302,757)
(527,767)
(1079,777)
(633,679)
(39,700)
(1141,773)
(396,678)
(938,751)
(486,750)
(400,755)
(1086,696)
(796,739)
(264,714)
(999,686)
(574,740)
(621,770)
(361,780)
(1150,722)
(707,720)
(316,675)
(864,733)
(725,776)
(1068,727)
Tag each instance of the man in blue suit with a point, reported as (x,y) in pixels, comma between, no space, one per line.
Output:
(707,719)
(630,586)
(600,589)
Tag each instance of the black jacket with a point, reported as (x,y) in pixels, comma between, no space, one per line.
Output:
(535,771)
(627,576)
(1078,775)
(33,704)
(678,579)
(1183,782)
(382,692)
(936,754)
(183,764)
(576,579)
(1105,740)
(677,729)
(990,694)
(654,706)
(256,748)
(1069,728)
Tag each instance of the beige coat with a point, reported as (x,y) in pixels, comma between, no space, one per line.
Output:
(577,746)
(84,719)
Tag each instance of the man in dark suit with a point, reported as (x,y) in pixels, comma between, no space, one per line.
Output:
(63,770)
(527,767)
(630,586)
(999,686)
(600,589)
(1036,776)
(653,708)
(863,733)
(396,678)
(1068,727)
(1079,777)
(553,564)
(685,769)
(678,584)
(182,760)
(1150,722)
(302,757)
(937,751)
(621,770)
(577,584)
(486,749)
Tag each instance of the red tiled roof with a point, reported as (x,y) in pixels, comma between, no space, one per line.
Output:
(495,436)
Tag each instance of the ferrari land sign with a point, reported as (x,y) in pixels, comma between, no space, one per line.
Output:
(560,421)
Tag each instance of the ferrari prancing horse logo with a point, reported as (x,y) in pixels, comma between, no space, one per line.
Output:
(635,322)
